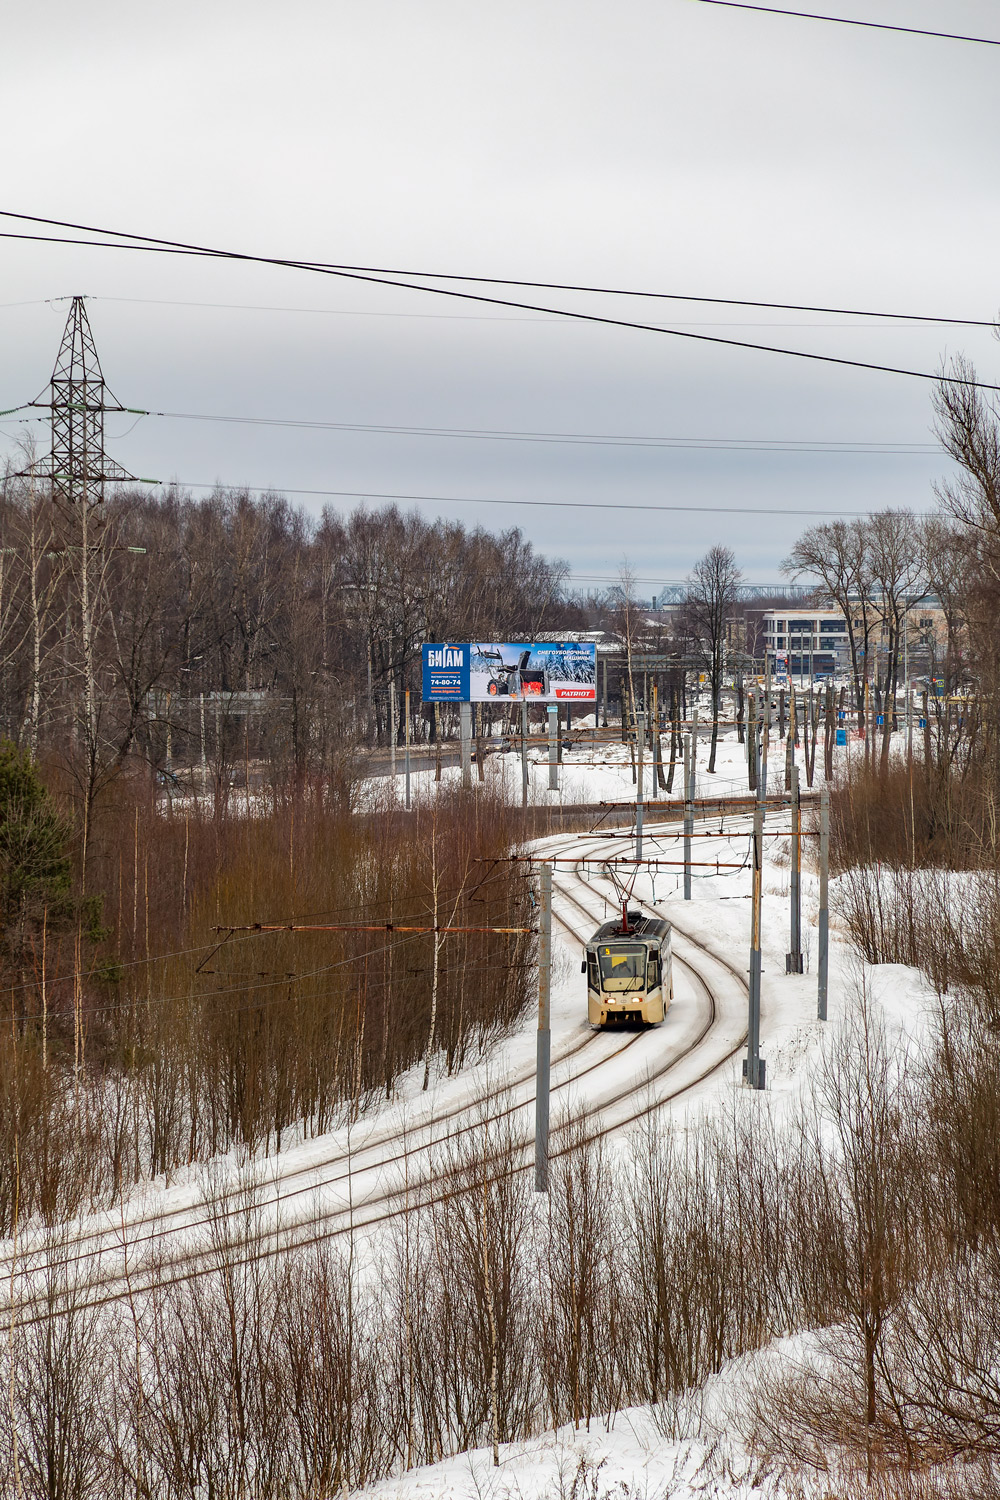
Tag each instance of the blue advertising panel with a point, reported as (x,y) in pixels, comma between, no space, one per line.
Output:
(446,674)
(506,672)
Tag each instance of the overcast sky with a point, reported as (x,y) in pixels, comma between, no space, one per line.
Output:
(669,146)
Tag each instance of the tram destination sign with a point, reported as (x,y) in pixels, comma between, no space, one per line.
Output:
(506,672)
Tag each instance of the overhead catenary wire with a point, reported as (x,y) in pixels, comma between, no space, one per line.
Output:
(149,243)
(237,936)
(372,982)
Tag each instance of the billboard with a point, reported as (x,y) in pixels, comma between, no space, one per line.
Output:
(506,672)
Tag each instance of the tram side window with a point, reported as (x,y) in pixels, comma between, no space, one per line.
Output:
(653,971)
(593,973)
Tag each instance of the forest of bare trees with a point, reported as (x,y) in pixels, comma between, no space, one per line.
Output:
(182,631)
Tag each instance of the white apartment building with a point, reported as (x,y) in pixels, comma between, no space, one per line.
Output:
(813,640)
(816,640)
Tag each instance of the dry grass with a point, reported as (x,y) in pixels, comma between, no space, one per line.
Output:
(178,1041)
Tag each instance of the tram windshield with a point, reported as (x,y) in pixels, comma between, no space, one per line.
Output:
(623,966)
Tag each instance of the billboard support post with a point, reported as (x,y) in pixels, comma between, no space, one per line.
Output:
(553,715)
(392,733)
(465,736)
(524,754)
(406,751)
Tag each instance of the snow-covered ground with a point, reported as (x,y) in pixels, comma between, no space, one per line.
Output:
(687,1449)
(647,1453)
(693,1450)
(599,769)
(596,768)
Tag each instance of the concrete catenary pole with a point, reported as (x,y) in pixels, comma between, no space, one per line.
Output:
(752,721)
(765,739)
(544,1042)
(754,1065)
(640,735)
(790,742)
(793,960)
(688,816)
(908,699)
(824,903)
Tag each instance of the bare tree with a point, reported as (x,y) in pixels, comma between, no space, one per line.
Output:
(836,555)
(968,426)
(712,592)
(898,578)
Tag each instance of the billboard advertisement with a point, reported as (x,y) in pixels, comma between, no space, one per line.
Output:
(506,672)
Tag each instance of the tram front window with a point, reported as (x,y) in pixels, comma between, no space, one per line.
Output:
(623,966)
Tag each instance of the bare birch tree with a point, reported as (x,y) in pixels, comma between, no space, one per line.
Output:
(712,592)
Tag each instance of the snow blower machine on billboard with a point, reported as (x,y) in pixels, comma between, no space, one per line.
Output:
(514,679)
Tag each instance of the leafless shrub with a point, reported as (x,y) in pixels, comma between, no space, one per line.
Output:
(583,1285)
(51,1417)
(903,916)
(244,1041)
(481,1328)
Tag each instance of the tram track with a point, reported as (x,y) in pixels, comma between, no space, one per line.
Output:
(177,1218)
(111,1240)
(99,1266)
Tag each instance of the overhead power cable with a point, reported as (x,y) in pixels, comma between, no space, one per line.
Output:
(829,446)
(549,286)
(809,15)
(721,510)
(177,247)
(573,439)
(884,319)
(585,439)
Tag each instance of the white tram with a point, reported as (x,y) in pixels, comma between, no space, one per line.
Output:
(629,971)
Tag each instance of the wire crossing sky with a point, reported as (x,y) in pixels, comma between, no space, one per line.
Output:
(808,15)
(629,187)
(370,275)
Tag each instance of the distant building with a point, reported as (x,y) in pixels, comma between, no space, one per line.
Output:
(817,640)
(811,641)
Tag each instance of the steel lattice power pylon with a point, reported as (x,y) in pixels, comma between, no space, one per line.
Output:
(78,466)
